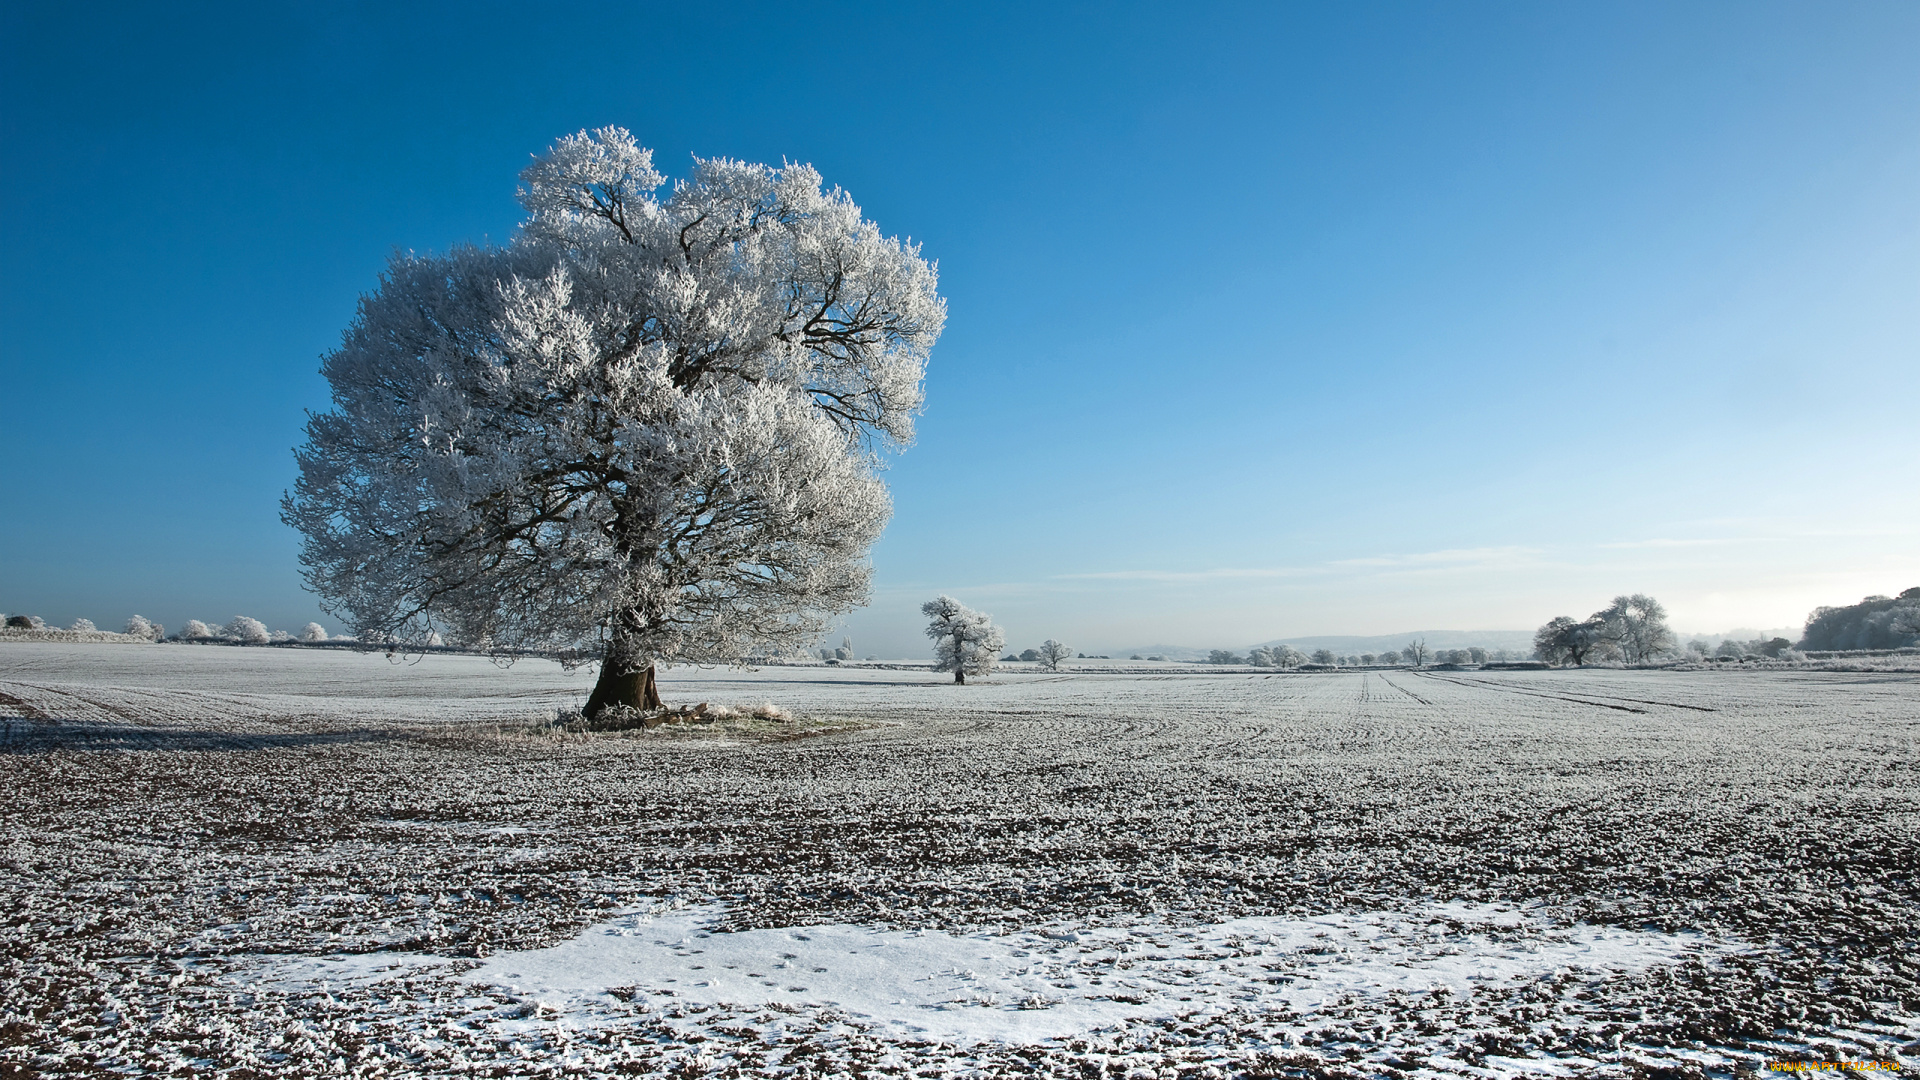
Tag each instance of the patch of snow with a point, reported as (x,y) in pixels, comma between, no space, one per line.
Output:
(1059,982)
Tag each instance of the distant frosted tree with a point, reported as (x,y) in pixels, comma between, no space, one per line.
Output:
(1368,659)
(84,626)
(1324,656)
(1390,657)
(1637,626)
(1476,656)
(646,431)
(1031,656)
(1565,639)
(140,627)
(1052,652)
(196,630)
(1224,656)
(313,631)
(1416,652)
(1549,643)
(247,631)
(1906,618)
(965,641)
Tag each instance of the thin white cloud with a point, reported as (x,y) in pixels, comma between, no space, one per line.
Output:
(1457,558)
(1222,574)
(1664,542)
(1451,557)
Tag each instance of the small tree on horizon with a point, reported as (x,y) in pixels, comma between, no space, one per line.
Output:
(1416,652)
(1052,652)
(965,641)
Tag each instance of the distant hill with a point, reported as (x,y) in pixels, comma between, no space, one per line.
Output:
(1521,640)
(1165,652)
(1740,633)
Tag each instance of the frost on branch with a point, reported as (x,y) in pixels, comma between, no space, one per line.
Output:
(644,431)
(965,641)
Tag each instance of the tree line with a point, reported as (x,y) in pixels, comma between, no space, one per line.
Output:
(239,630)
(1877,622)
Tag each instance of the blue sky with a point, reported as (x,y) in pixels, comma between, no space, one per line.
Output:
(1266,320)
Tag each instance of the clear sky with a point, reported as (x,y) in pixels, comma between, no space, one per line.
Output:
(1266,320)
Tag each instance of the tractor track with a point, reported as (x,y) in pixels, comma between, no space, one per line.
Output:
(1506,688)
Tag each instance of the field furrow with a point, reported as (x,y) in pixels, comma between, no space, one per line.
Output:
(256,862)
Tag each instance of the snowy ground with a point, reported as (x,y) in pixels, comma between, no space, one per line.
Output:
(274,862)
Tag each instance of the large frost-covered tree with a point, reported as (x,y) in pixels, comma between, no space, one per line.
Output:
(965,641)
(644,431)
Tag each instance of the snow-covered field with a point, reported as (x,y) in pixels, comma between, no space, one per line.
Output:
(263,862)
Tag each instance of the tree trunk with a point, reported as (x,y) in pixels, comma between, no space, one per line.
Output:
(635,689)
(959,675)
